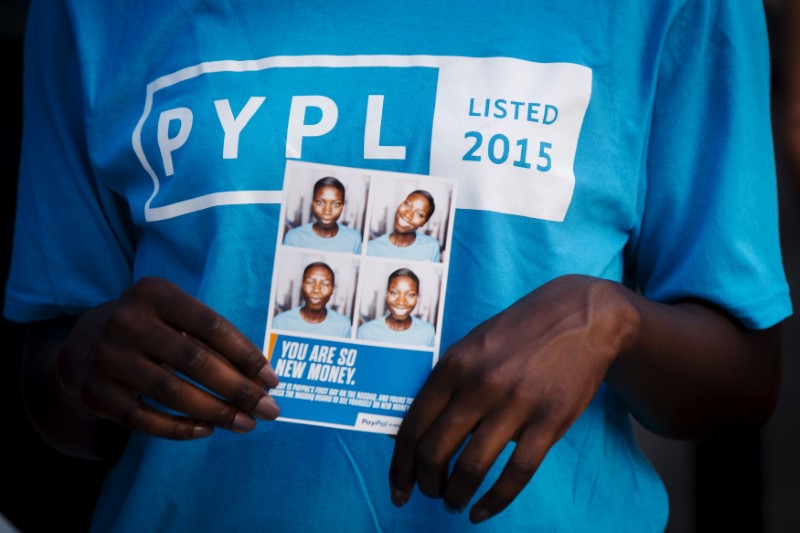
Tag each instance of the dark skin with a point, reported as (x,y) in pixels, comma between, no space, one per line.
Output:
(317,289)
(401,299)
(685,370)
(131,345)
(327,206)
(411,214)
(791,115)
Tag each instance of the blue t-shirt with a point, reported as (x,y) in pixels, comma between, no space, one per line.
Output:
(420,333)
(346,239)
(424,248)
(334,325)
(585,137)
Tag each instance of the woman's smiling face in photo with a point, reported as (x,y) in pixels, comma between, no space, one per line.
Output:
(412,213)
(401,297)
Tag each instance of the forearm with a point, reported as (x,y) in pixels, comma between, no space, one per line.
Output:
(63,421)
(690,371)
(527,373)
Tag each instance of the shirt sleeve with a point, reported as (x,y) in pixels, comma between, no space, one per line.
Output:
(709,218)
(73,243)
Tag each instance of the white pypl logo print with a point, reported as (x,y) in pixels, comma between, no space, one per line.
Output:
(506,129)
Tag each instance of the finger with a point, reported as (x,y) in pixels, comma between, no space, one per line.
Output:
(224,379)
(120,403)
(442,440)
(481,451)
(174,392)
(518,471)
(180,395)
(203,323)
(204,366)
(424,410)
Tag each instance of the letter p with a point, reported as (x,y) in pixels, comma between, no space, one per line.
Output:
(167,144)
(298,129)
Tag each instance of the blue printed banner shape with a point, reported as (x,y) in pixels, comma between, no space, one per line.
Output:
(232,125)
(515,123)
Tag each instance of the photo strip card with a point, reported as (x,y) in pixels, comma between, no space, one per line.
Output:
(358,291)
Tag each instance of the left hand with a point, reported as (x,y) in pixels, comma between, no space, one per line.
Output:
(525,375)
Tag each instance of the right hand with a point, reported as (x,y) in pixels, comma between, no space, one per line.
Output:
(136,345)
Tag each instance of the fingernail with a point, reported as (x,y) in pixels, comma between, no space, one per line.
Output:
(267,409)
(202,430)
(479,516)
(452,509)
(268,376)
(399,497)
(243,423)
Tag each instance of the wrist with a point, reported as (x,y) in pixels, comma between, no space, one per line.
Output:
(628,318)
(614,316)
(605,310)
